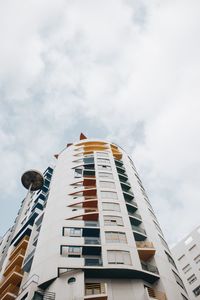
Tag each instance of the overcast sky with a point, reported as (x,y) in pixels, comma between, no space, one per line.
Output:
(123,70)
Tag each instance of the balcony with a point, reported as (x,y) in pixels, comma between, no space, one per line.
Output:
(139,233)
(125,186)
(92,262)
(95,291)
(16,261)
(14,278)
(123,178)
(146,250)
(9,293)
(154,294)
(134,218)
(91,224)
(148,267)
(121,170)
(22,245)
(92,241)
(131,206)
(128,196)
(28,261)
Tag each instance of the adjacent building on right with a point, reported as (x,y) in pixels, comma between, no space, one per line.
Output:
(187,255)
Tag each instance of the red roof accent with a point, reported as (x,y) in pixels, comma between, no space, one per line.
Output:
(82,136)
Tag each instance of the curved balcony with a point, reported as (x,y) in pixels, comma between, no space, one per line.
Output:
(125,186)
(22,245)
(90,203)
(121,170)
(87,215)
(145,250)
(10,292)
(128,196)
(14,278)
(135,218)
(123,178)
(121,271)
(139,233)
(131,206)
(16,261)
(91,191)
(150,268)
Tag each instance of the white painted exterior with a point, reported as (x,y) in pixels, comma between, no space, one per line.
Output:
(121,280)
(187,256)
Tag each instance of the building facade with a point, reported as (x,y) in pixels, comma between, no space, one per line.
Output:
(89,233)
(187,256)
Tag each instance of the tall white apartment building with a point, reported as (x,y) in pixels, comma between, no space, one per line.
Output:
(89,233)
(187,256)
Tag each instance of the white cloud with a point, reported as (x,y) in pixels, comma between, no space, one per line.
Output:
(128,67)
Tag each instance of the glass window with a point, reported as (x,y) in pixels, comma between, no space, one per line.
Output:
(119,257)
(70,250)
(113,221)
(103,161)
(107,184)
(111,206)
(191,279)
(102,154)
(108,195)
(196,291)
(88,160)
(187,268)
(106,175)
(197,259)
(104,167)
(178,279)
(78,173)
(188,240)
(115,237)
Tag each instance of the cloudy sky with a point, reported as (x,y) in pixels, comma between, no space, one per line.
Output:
(124,70)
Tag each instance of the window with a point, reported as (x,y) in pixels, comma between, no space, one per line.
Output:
(178,280)
(191,279)
(181,257)
(170,259)
(197,259)
(107,184)
(119,257)
(193,248)
(94,288)
(71,280)
(115,237)
(184,298)
(108,195)
(113,221)
(102,154)
(105,168)
(71,231)
(88,160)
(164,243)
(71,251)
(158,227)
(106,175)
(187,268)
(188,240)
(196,291)
(103,161)
(111,206)
(78,173)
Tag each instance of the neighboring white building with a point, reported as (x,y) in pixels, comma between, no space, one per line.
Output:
(90,233)
(187,255)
